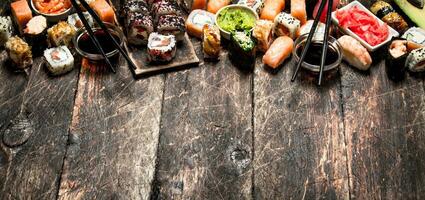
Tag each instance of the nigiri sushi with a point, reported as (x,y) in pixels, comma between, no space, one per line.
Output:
(171,25)
(242,50)
(60,34)
(214,5)
(19,52)
(6,29)
(139,26)
(298,10)
(415,61)
(199,4)
(103,10)
(59,60)
(35,34)
(161,48)
(354,53)
(263,33)
(211,41)
(286,25)
(196,21)
(278,52)
(21,12)
(271,9)
(256,5)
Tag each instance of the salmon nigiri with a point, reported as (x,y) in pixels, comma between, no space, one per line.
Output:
(215,5)
(272,8)
(103,10)
(299,11)
(21,12)
(280,50)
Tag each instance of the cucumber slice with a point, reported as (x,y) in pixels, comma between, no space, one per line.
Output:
(415,14)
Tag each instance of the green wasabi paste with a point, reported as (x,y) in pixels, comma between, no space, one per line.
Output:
(236,19)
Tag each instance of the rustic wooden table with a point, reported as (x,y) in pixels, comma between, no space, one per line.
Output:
(212,132)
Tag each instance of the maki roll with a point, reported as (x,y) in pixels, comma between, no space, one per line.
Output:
(6,29)
(139,26)
(286,25)
(21,12)
(60,34)
(19,52)
(35,34)
(162,8)
(196,21)
(59,60)
(396,59)
(76,23)
(416,35)
(386,12)
(415,61)
(256,5)
(242,49)
(263,33)
(135,6)
(171,25)
(161,48)
(211,41)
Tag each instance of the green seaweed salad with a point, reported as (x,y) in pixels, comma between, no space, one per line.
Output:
(236,19)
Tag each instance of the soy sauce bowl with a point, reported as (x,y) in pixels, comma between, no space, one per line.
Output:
(86,48)
(333,58)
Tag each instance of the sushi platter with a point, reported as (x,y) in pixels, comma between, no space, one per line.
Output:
(157,34)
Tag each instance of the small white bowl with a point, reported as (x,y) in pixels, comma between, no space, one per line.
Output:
(52,17)
(392,32)
(224,33)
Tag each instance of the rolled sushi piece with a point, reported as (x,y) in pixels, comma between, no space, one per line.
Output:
(60,34)
(59,60)
(35,34)
(396,59)
(256,5)
(196,21)
(139,26)
(415,61)
(386,12)
(6,29)
(19,52)
(416,35)
(21,13)
(161,48)
(171,25)
(211,41)
(242,50)
(76,23)
(263,33)
(286,25)
(135,6)
(162,8)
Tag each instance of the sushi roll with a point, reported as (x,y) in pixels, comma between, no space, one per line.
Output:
(242,50)
(278,52)
(354,53)
(161,48)
(35,34)
(256,5)
(60,34)
(59,60)
(162,8)
(76,23)
(6,29)
(211,41)
(415,34)
(263,33)
(139,26)
(21,13)
(415,61)
(386,12)
(135,6)
(396,59)
(286,25)
(19,52)
(196,21)
(171,25)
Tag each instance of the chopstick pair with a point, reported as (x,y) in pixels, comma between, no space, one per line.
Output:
(104,28)
(310,37)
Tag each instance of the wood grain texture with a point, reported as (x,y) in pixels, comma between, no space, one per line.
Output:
(299,140)
(114,137)
(205,147)
(34,166)
(385,130)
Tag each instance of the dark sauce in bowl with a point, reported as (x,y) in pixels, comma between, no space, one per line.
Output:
(87,45)
(314,54)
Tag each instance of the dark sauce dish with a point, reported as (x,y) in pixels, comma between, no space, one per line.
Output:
(86,48)
(314,53)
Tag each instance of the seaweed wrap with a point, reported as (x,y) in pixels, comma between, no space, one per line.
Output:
(242,50)
(35,34)
(397,57)
(386,12)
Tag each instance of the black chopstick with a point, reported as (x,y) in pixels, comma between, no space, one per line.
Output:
(325,40)
(104,28)
(309,38)
(91,34)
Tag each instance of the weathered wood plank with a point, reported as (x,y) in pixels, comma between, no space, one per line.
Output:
(34,165)
(205,147)
(113,138)
(385,130)
(299,141)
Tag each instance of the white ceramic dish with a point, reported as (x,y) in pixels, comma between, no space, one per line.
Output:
(224,33)
(52,17)
(392,32)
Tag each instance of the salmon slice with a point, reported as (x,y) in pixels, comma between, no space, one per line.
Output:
(272,8)
(21,12)
(215,5)
(280,50)
(199,4)
(299,11)
(103,10)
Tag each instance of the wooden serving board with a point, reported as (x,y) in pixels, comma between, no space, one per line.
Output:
(185,58)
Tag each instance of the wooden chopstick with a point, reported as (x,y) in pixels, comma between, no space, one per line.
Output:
(309,38)
(325,40)
(91,34)
(104,28)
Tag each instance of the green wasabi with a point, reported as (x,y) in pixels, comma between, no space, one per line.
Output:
(236,19)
